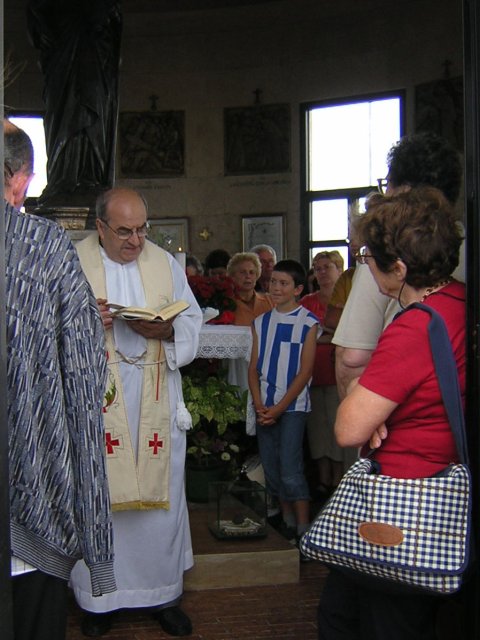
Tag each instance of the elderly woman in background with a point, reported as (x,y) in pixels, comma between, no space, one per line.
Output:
(327,267)
(244,269)
(411,245)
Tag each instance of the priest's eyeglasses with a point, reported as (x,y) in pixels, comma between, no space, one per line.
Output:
(125,234)
(362,255)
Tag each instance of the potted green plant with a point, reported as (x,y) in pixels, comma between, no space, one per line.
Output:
(215,442)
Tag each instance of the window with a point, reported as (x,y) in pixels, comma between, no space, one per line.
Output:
(33,126)
(344,146)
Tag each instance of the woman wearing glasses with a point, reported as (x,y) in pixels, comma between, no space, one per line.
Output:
(411,245)
(327,267)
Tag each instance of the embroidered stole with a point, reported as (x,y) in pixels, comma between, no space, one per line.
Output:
(141,483)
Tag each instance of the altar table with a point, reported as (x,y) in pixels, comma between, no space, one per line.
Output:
(225,341)
(232,343)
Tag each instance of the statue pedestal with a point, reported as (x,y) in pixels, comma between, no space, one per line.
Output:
(70,218)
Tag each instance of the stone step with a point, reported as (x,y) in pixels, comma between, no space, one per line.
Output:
(221,564)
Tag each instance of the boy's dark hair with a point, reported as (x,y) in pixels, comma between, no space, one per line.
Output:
(294,269)
(425,159)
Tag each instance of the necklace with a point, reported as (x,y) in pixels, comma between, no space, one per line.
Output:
(435,288)
(248,301)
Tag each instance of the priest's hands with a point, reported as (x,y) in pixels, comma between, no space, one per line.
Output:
(150,330)
(105,313)
(153,330)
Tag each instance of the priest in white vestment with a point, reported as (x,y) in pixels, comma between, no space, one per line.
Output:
(144,416)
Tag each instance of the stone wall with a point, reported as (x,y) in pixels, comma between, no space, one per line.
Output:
(294,51)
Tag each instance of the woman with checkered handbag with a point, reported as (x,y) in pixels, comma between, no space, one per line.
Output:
(411,245)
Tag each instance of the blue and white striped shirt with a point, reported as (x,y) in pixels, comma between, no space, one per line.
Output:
(281,337)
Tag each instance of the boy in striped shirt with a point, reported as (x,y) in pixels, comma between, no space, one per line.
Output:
(279,374)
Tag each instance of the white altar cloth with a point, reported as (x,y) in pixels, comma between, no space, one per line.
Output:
(225,341)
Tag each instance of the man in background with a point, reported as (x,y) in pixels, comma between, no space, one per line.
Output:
(59,501)
(423,159)
(268,258)
(143,412)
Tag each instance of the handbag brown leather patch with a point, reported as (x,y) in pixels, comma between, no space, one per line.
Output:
(380,533)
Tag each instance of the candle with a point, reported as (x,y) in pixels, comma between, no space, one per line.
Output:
(181,258)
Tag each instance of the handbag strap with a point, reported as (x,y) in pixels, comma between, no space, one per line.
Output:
(447,374)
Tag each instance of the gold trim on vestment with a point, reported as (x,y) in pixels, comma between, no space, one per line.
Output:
(137,482)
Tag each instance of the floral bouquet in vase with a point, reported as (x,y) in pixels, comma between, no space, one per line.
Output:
(216,292)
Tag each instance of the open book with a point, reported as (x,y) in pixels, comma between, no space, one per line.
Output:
(161,314)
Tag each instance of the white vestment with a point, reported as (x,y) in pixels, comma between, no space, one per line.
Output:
(152,547)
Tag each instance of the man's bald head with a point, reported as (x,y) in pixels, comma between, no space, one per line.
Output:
(121,212)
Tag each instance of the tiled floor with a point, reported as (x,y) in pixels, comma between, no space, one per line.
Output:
(280,612)
(258,613)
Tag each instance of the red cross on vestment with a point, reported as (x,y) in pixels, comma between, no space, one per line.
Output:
(155,444)
(110,443)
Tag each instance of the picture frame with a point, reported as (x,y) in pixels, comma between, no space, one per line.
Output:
(264,229)
(151,144)
(169,233)
(257,139)
(439,109)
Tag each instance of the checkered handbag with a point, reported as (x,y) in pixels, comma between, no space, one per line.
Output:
(410,531)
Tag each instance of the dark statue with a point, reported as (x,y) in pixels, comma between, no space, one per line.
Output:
(79,43)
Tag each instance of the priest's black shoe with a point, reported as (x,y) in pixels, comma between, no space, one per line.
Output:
(94,625)
(174,621)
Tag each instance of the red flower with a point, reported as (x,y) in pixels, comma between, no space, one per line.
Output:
(216,292)
(226,317)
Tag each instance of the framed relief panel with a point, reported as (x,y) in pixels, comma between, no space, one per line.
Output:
(152,144)
(264,229)
(439,109)
(257,139)
(169,233)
